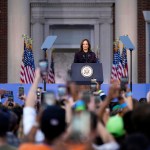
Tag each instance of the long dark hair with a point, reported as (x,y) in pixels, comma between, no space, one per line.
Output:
(81,45)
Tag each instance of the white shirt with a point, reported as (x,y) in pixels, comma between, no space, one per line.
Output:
(106,146)
(29,119)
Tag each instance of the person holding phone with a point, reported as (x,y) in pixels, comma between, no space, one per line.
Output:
(97,91)
(85,55)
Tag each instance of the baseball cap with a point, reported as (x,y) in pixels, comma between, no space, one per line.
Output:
(79,105)
(116,107)
(115,126)
(53,122)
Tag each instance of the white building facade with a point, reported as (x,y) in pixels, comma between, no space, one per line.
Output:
(71,21)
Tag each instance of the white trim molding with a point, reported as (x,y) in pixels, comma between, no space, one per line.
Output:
(96,13)
(147,20)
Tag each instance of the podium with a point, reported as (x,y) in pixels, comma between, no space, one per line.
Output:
(82,73)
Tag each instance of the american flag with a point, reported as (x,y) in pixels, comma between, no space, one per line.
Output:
(51,74)
(125,63)
(117,68)
(27,72)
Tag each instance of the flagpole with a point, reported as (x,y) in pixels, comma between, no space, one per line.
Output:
(24,36)
(131,69)
(45,57)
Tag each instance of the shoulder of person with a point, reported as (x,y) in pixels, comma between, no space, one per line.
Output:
(8,147)
(33,146)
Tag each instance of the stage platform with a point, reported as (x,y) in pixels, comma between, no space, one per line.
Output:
(139,90)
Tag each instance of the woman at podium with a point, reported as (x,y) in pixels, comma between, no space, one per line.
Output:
(85,55)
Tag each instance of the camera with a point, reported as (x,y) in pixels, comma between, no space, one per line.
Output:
(48,98)
(43,65)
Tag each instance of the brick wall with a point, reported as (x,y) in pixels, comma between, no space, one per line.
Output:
(3,41)
(142,5)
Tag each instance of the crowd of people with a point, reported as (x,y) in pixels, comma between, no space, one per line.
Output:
(79,118)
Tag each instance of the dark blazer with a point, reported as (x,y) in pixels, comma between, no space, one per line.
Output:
(82,57)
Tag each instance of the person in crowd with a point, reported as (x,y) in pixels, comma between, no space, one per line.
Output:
(98,91)
(85,122)
(148,97)
(85,55)
(135,141)
(52,125)
(140,120)
(18,110)
(79,136)
(4,126)
(45,128)
(127,120)
(143,100)
(115,126)
(12,139)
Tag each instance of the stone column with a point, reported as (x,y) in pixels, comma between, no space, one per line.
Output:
(96,38)
(38,39)
(47,33)
(18,24)
(106,43)
(126,23)
(147,20)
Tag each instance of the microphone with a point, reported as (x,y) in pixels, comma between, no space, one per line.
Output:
(88,57)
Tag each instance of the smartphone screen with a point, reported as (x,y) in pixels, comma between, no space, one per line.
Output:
(39,91)
(93,86)
(93,80)
(43,64)
(21,91)
(62,91)
(48,98)
(80,125)
(124,82)
(10,96)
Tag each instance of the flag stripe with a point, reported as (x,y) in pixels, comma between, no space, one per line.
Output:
(51,75)
(118,67)
(27,66)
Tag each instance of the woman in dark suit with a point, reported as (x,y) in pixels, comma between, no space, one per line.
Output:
(85,55)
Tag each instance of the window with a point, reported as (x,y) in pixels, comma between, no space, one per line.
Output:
(148,46)
(70,36)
